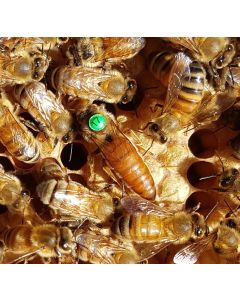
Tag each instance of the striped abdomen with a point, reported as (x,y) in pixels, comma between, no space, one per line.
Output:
(191,91)
(17,239)
(139,227)
(129,166)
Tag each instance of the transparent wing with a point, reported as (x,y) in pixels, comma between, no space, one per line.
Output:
(212,107)
(187,42)
(136,204)
(179,71)
(45,101)
(191,253)
(233,76)
(148,250)
(99,246)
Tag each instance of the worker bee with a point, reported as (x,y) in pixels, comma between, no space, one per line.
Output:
(46,240)
(98,126)
(216,53)
(188,99)
(97,51)
(53,119)
(93,84)
(71,199)
(153,228)
(22,69)
(20,143)
(13,195)
(225,240)
(96,248)
(49,168)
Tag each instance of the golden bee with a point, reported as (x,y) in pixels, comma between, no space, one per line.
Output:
(98,126)
(153,228)
(97,51)
(18,140)
(13,194)
(96,248)
(225,240)
(22,69)
(189,99)
(216,53)
(49,168)
(71,199)
(53,119)
(93,84)
(45,240)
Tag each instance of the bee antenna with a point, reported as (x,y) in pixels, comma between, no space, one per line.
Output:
(231,210)
(220,160)
(211,211)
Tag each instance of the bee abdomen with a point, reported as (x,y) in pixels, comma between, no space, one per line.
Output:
(139,227)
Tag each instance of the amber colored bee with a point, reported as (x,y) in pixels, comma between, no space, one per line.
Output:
(225,240)
(189,99)
(12,193)
(22,69)
(71,199)
(93,84)
(96,248)
(155,228)
(216,53)
(97,51)
(20,143)
(49,168)
(53,119)
(45,240)
(118,151)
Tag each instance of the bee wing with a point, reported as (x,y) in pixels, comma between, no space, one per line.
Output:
(191,253)
(44,100)
(212,107)
(187,42)
(233,77)
(76,203)
(121,48)
(179,71)
(11,258)
(99,246)
(148,250)
(135,204)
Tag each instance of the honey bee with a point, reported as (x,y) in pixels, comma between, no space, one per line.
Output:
(49,168)
(20,143)
(216,53)
(93,84)
(153,228)
(71,199)
(99,127)
(96,248)
(45,240)
(96,51)
(225,240)
(53,119)
(13,195)
(22,69)
(189,98)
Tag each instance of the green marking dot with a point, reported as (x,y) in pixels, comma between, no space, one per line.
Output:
(97,122)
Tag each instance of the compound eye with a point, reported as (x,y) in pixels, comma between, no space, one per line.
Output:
(220,61)
(66,138)
(124,99)
(234,171)
(35,75)
(198,231)
(231,223)
(25,193)
(163,139)
(64,245)
(230,47)
(37,62)
(154,127)
(131,84)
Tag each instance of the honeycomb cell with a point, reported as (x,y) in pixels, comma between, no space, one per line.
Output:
(74,156)
(203,143)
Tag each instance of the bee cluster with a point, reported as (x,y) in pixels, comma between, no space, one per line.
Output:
(119,150)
